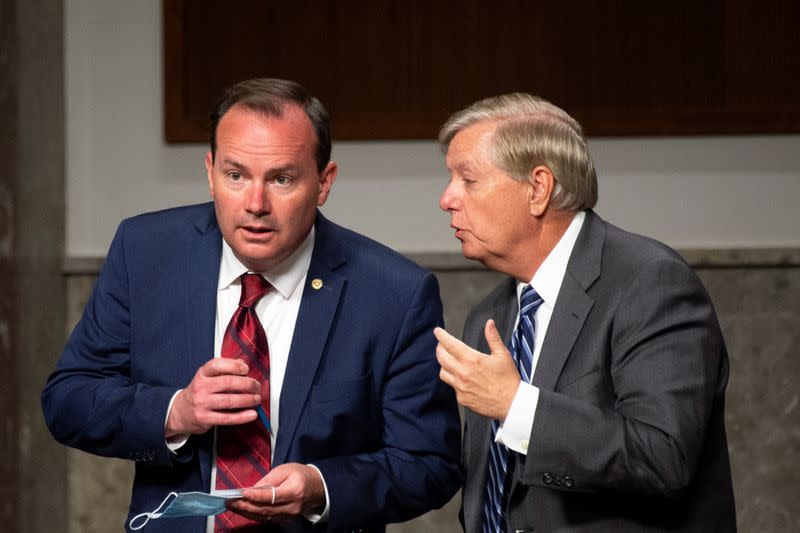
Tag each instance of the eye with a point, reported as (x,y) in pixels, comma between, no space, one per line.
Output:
(468,179)
(234,175)
(282,180)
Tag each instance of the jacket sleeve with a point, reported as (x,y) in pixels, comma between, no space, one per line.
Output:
(417,466)
(91,402)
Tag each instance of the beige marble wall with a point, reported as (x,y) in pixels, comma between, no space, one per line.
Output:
(759,310)
(98,488)
(757,296)
(32,143)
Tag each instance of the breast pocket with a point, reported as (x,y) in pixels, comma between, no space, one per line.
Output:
(341,391)
(591,386)
(345,412)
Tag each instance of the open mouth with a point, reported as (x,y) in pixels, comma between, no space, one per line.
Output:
(257,231)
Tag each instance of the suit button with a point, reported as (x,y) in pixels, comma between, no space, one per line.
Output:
(547,478)
(568,482)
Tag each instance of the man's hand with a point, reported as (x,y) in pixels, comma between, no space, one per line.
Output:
(220,394)
(298,490)
(486,384)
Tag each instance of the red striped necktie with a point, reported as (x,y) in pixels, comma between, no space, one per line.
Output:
(243,452)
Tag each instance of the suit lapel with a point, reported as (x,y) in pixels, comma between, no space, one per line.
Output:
(573,304)
(504,312)
(314,320)
(202,253)
(570,313)
(503,309)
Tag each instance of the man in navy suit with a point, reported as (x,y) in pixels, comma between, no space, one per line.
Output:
(362,431)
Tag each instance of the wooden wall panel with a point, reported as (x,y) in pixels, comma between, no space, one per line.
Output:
(397,69)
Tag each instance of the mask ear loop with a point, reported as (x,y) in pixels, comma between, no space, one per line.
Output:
(152,514)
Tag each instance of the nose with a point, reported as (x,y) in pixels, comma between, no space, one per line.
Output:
(257,202)
(449,200)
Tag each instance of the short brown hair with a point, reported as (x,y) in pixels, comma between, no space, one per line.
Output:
(269,96)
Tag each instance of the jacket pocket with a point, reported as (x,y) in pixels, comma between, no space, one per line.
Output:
(358,387)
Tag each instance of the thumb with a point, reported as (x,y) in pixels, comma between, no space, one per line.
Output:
(278,475)
(496,344)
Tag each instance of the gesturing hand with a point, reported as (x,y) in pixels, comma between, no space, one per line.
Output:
(220,394)
(486,384)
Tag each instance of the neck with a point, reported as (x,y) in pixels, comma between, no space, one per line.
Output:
(532,252)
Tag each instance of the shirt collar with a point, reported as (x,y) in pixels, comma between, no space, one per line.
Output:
(285,277)
(547,279)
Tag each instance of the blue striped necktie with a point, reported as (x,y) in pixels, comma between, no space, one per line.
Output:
(494,520)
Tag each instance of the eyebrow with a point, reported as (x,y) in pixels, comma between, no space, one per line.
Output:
(232,163)
(463,166)
(289,167)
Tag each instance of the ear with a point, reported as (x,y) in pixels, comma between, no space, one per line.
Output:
(210,173)
(541,182)
(326,179)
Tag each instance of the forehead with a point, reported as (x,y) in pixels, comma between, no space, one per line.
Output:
(248,132)
(471,144)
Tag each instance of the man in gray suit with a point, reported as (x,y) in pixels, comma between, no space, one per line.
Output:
(594,376)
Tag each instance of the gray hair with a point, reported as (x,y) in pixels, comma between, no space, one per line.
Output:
(531,132)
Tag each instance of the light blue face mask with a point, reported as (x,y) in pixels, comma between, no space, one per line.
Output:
(188,504)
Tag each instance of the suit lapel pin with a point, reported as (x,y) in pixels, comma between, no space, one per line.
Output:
(316,284)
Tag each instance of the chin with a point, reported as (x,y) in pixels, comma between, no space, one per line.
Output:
(257,258)
(470,253)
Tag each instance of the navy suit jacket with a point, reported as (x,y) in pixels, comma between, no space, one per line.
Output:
(361,398)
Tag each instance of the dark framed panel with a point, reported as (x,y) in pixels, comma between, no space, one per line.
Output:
(396,69)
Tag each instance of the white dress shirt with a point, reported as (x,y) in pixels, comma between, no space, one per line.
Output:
(516,429)
(277,311)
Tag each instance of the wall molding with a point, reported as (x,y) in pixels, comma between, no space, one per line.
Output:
(451,261)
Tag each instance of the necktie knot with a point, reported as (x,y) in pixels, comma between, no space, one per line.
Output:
(529,301)
(522,344)
(254,286)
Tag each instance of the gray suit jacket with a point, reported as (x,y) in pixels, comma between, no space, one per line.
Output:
(629,432)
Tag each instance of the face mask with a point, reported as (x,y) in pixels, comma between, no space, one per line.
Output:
(188,504)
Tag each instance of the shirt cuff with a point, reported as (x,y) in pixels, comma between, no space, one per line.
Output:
(319,518)
(515,431)
(176,442)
